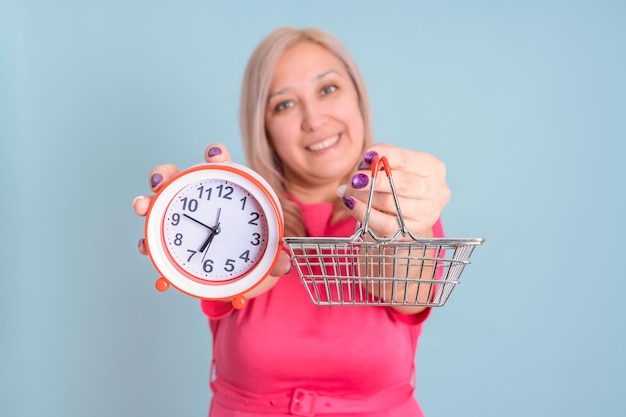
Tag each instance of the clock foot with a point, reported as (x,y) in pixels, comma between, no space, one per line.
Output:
(239,301)
(161,284)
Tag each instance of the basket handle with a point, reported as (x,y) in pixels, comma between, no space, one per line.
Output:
(379,163)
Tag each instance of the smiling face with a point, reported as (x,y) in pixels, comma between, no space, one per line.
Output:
(314,121)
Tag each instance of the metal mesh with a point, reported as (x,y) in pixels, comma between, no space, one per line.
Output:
(344,272)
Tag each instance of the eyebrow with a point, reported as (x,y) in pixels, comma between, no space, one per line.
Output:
(316,78)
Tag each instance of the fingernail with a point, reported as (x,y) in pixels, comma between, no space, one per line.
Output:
(139,197)
(141,242)
(214,151)
(348,202)
(369,156)
(359,180)
(156,180)
(364,166)
(341,190)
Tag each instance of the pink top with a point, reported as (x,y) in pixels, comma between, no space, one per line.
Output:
(281,341)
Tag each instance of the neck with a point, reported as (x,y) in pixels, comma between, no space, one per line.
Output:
(313,194)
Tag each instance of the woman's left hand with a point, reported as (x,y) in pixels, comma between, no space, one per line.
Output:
(420,182)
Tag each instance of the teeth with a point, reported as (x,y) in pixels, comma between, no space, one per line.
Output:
(324,144)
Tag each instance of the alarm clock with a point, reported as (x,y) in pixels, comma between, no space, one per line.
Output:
(214,231)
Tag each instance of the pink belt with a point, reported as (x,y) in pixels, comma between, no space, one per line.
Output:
(302,402)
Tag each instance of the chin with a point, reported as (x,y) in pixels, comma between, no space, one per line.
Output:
(338,169)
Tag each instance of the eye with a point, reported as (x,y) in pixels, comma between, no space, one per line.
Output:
(283,105)
(329,89)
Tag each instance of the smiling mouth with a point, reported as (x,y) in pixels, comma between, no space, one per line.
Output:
(326,143)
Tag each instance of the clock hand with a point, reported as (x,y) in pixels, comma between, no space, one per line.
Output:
(215,230)
(199,222)
(207,242)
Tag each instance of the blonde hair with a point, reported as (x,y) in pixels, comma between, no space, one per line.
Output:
(254,97)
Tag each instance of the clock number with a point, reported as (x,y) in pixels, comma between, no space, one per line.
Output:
(178,239)
(255,217)
(257,239)
(228,191)
(175,219)
(243,202)
(192,206)
(208,266)
(245,256)
(230,265)
(193,252)
(202,190)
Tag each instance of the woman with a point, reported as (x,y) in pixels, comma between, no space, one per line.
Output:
(306,129)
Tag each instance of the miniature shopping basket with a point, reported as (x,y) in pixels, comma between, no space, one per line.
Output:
(365,269)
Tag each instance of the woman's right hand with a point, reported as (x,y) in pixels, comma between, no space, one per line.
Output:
(159,175)
(162,173)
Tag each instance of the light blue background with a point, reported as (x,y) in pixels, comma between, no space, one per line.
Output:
(524,101)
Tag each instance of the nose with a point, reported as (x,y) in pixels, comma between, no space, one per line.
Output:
(313,116)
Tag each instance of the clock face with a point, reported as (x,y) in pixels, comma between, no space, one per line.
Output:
(214,230)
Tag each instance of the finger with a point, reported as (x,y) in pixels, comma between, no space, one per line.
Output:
(383,224)
(160,174)
(409,208)
(418,213)
(386,212)
(141,204)
(141,246)
(383,197)
(381,201)
(412,181)
(282,266)
(420,192)
(405,183)
(386,224)
(418,163)
(217,153)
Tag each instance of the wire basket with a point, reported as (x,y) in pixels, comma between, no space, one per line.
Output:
(366,269)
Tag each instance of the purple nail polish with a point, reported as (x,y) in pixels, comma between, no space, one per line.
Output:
(141,242)
(348,202)
(364,166)
(369,156)
(156,180)
(214,151)
(359,180)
